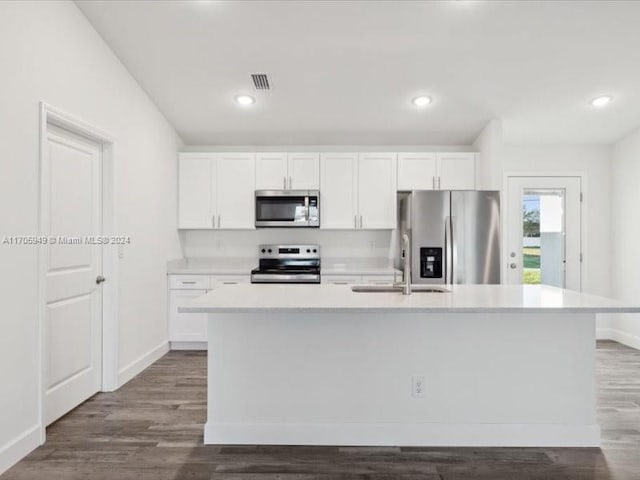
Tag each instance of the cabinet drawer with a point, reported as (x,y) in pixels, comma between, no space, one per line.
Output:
(378,279)
(229,280)
(341,279)
(189,282)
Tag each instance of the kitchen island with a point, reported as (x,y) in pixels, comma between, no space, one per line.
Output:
(480,365)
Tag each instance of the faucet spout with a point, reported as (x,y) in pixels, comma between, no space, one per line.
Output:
(406,254)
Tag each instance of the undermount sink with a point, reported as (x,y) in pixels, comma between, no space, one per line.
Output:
(397,289)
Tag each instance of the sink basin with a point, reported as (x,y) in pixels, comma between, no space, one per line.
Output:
(397,289)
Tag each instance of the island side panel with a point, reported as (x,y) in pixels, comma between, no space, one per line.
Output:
(346,379)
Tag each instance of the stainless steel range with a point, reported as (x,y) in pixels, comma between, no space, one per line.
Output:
(287,264)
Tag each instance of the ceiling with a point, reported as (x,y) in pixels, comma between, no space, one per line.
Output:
(345,72)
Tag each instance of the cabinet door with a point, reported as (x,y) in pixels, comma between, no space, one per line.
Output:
(186,327)
(457,171)
(338,190)
(417,171)
(196,201)
(235,191)
(271,171)
(377,190)
(304,171)
(218,280)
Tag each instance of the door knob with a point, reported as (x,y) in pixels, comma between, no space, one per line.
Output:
(100,279)
(513,265)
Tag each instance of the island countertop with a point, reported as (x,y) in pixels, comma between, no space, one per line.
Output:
(254,298)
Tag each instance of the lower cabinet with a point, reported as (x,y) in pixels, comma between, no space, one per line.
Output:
(186,327)
(188,331)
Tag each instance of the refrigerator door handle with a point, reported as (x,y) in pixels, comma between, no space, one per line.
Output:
(448,251)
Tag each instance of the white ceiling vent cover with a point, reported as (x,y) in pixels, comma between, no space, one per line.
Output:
(260,81)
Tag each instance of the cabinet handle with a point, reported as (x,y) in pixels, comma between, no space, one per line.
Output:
(355,221)
(360,222)
(284,182)
(438,183)
(188,283)
(340,283)
(290,183)
(230,283)
(433,182)
(218,221)
(213,221)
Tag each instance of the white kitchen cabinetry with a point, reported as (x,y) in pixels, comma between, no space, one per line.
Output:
(437,171)
(457,171)
(188,331)
(216,190)
(235,191)
(287,171)
(195,190)
(186,327)
(338,190)
(377,190)
(358,191)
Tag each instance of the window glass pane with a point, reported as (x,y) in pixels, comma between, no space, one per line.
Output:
(543,241)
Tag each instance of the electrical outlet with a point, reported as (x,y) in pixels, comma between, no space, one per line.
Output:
(417,386)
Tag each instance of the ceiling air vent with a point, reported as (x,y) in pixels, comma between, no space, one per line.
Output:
(260,81)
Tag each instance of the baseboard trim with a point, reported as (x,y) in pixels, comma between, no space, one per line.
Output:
(19,447)
(141,363)
(394,434)
(188,345)
(619,336)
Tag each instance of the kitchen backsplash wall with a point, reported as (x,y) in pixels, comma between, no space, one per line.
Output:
(333,243)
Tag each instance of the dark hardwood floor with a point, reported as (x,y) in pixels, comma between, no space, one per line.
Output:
(152,429)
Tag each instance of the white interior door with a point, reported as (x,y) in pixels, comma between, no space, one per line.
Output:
(543,230)
(72,327)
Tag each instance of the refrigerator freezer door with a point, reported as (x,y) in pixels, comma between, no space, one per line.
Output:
(429,211)
(475,226)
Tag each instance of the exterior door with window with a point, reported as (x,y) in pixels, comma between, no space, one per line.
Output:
(543,230)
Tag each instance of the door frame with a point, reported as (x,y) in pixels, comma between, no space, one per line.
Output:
(53,116)
(583,218)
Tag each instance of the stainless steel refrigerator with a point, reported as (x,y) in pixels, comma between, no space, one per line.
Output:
(455,235)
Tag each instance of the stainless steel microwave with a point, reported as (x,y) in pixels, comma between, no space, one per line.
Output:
(288,208)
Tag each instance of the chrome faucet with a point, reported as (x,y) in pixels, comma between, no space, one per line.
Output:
(406,254)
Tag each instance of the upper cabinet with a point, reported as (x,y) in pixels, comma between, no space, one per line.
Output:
(377,190)
(437,171)
(358,191)
(339,191)
(287,171)
(196,199)
(216,190)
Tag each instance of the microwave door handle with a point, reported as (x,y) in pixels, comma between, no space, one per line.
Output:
(306,208)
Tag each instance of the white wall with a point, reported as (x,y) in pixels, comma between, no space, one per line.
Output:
(333,243)
(490,145)
(625,231)
(49,52)
(594,163)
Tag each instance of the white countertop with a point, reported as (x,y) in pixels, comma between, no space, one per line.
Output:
(254,298)
(244,265)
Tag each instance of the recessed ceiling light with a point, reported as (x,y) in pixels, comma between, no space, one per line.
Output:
(421,101)
(245,100)
(601,101)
